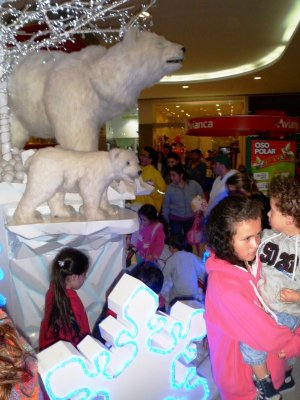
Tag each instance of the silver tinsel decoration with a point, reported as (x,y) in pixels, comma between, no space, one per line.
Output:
(54,23)
(60,21)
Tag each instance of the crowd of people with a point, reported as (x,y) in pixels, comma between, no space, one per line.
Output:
(252,303)
(252,300)
(249,285)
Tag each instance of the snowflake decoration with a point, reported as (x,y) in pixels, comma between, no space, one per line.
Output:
(149,358)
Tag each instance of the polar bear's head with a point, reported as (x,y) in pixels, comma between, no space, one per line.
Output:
(125,164)
(162,50)
(148,57)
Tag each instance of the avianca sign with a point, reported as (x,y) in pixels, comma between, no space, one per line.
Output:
(241,125)
(206,124)
(288,124)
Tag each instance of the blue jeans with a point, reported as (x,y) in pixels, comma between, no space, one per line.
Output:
(180,227)
(257,357)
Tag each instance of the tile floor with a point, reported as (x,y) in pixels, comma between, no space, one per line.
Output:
(295,394)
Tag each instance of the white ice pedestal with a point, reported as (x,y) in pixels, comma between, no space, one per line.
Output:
(26,253)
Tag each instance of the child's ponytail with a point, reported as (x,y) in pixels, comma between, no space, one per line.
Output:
(68,262)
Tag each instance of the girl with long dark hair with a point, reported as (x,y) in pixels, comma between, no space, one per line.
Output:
(65,317)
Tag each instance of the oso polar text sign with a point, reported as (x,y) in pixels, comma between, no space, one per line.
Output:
(149,358)
(269,158)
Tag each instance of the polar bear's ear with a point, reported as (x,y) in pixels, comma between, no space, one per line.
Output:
(114,154)
(131,36)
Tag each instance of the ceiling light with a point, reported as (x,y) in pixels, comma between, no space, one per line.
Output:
(241,70)
(290,24)
(177,106)
(185,86)
(257,78)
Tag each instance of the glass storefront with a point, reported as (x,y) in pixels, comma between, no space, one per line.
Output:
(169,126)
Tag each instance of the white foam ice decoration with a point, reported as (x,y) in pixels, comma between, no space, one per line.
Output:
(149,358)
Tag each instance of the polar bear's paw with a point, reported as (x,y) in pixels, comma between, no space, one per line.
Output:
(65,211)
(112,210)
(95,215)
(27,218)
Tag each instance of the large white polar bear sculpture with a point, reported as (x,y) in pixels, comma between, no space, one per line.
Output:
(53,171)
(70,96)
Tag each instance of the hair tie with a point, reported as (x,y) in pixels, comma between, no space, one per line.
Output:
(61,263)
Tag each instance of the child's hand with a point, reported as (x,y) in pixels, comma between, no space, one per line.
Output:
(289,296)
(282,354)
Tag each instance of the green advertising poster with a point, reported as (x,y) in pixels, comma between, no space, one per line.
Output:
(268,158)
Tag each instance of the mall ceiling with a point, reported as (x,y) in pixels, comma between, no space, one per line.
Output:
(224,35)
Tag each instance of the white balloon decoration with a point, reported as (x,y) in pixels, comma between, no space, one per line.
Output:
(12,170)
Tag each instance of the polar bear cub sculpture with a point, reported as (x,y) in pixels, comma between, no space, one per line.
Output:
(70,96)
(54,171)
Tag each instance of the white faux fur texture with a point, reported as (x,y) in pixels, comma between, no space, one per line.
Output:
(70,96)
(53,171)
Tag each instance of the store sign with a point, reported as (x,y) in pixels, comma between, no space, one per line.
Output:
(205,124)
(270,158)
(264,148)
(241,125)
(149,355)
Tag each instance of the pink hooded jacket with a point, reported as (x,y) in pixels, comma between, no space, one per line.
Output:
(233,314)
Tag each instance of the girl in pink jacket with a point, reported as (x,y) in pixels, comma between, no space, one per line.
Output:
(233,310)
(149,241)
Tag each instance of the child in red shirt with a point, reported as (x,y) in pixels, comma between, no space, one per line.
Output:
(65,317)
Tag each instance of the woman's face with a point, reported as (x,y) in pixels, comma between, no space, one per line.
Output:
(171,162)
(175,178)
(246,239)
(145,158)
(144,220)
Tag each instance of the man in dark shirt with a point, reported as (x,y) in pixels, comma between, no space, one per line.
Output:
(196,170)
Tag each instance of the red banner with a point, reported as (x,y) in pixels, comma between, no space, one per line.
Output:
(241,125)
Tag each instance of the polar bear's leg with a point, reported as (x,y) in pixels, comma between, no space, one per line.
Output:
(38,190)
(74,139)
(23,216)
(19,134)
(91,198)
(58,208)
(25,213)
(105,205)
(93,214)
